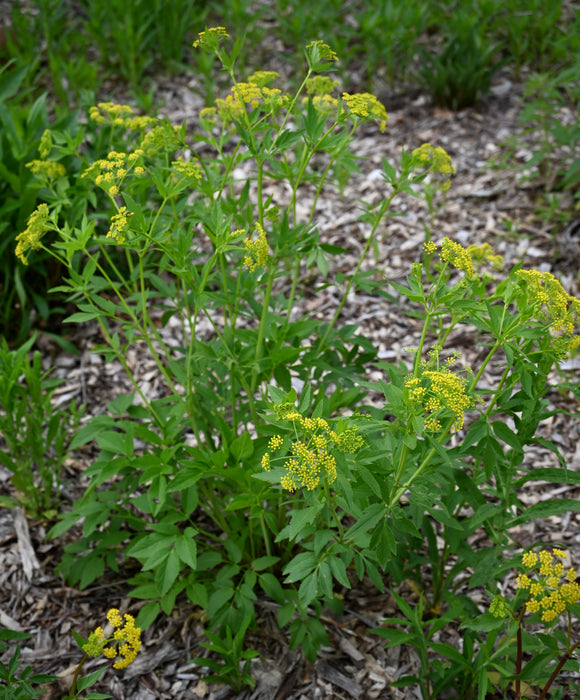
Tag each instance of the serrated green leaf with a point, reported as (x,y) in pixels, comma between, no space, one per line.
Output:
(339,570)
(266,562)
(285,614)
(186,548)
(90,679)
(545,509)
(308,589)
(299,567)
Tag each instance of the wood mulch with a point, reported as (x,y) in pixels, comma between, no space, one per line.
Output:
(483,204)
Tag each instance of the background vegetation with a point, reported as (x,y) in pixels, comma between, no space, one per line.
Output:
(187,233)
(59,57)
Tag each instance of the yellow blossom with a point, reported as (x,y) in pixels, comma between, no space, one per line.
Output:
(319,52)
(190,168)
(110,172)
(38,224)
(529,559)
(367,107)
(109,113)
(140,123)
(550,303)
(123,644)
(275,442)
(437,390)
(436,160)
(309,460)
(523,581)
(118,226)
(263,77)
(456,255)
(48,168)
(256,250)
(210,38)
(255,95)
(325,104)
(553,589)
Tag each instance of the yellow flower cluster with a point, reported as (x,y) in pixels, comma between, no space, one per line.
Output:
(190,169)
(255,94)
(435,390)
(310,459)
(554,305)
(366,106)
(110,113)
(45,145)
(325,104)
(325,53)
(210,38)
(29,239)
(552,589)
(119,115)
(48,168)
(162,138)
(256,251)
(484,253)
(321,85)
(109,172)
(499,607)
(456,255)
(436,159)
(118,227)
(263,77)
(123,645)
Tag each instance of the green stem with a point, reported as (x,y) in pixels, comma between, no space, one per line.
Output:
(557,670)
(401,490)
(332,507)
(266,536)
(384,207)
(76,676)
(261,330)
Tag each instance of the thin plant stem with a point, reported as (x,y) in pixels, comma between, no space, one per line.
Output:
(383,208)
(76,676)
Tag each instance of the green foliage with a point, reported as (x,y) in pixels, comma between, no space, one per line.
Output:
(37,165)
(37,435)
(258,468)
(90,40)
(460,74)
(20,132)
(231,485)
(532,32)
(551,112)
(390,33)
(235,669)
(16,684)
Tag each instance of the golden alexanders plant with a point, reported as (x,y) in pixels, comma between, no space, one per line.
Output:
(228,485)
